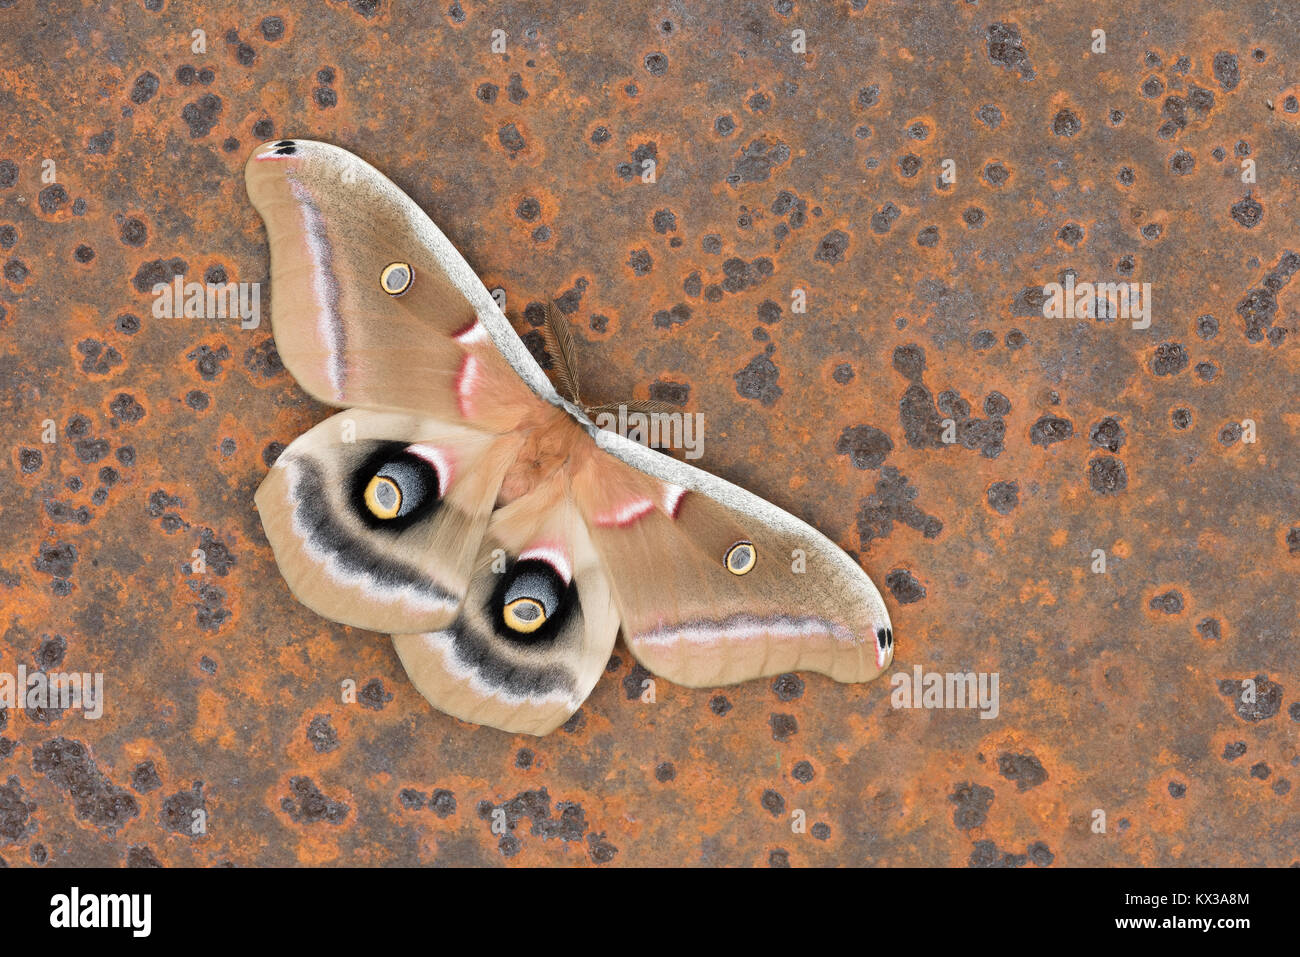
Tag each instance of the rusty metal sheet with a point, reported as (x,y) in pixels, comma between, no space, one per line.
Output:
(1104,517)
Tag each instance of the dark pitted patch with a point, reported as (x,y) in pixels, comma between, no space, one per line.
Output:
(307,804)
(972,805)
(865,445)
(784,726)
(1006,48)
(904,586)
(772,802)
(321,735)
(1025,769)
(894,500)
(96,799)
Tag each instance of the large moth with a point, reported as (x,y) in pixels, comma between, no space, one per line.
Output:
(463,505)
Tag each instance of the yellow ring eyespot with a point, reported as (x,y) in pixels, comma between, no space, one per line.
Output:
(741,558)
(396,278)
(383,497)
(525,615)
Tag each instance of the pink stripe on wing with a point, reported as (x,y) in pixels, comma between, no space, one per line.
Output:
(470,333)
(673,496)
(440,459)
(466,380)
(554,554)
(623,515)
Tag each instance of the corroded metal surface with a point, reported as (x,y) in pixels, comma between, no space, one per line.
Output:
(1172,450)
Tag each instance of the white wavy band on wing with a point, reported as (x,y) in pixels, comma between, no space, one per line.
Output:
(443,643)
(743,628)
(324,286)
(411,597)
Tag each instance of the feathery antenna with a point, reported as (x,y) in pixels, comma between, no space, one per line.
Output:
(559,343)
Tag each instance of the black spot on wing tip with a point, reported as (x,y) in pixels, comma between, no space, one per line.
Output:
(286,150)
(283,143)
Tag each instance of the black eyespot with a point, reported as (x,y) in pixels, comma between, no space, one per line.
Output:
(393,487)
(885,638)
(531,602)
(286,151)
(285,143)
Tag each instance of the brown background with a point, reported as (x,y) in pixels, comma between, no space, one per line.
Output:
(775,171)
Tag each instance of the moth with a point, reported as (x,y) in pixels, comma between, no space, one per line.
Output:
(465,506)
